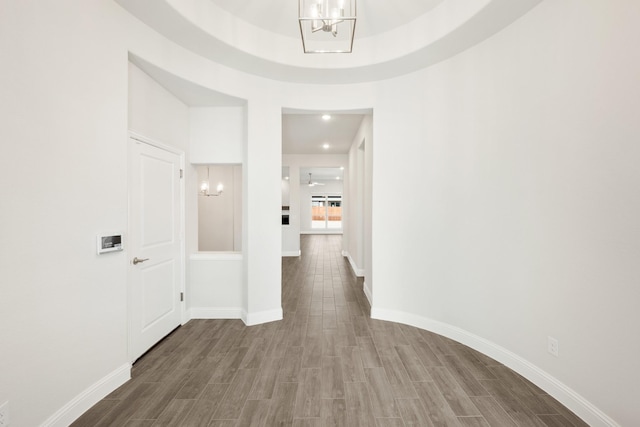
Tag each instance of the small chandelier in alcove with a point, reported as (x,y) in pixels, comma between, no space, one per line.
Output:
(204,187)
(327,26)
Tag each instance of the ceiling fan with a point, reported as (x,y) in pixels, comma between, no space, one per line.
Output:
(313,183)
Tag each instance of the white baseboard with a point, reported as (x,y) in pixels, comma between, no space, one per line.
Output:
(251,319)
(359,272)
(561,392)
(321,232)
(292,253)
(85,400)
(215,313)
(369,295)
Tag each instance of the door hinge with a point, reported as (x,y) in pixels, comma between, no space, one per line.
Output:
(181,173)
(181,296)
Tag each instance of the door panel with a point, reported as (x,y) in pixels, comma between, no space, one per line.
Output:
(158,293)
(155,280)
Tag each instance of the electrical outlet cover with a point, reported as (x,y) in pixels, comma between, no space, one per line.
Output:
(552,346)
(4,415)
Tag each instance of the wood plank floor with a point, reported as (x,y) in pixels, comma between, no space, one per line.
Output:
(326,364)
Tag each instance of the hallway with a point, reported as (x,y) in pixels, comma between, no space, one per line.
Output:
(326,364)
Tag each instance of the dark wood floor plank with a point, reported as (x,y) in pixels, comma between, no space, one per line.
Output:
(95,414)
(307,422)
(358,401)
(222,423)
(470,360)
(492,411)
(436,405)
(265,383)
(411,362)
(511,404)
(309,398)
(516,385)
(571,418)
(382,400)
(332,384)
(389,422)
(175,412)
(282,405)
(426,354)
(140,423)
(312,353)
(194,385)
(166,391)
(278,345)
(334,412)
(229,365)
(254,413)
(291,365)
(463,376)
(351,362)
(453,393)
(414,413)
(396,373)
(473,422)
(369,353)
(123,411)
(236,395)
(326,363)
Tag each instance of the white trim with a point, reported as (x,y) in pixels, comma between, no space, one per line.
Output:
(359,272)
(292,253)
(561,392)
(320,231)
(166,147)
(216,256)
(251,319)
(92,395)
(215,313)
(369,294)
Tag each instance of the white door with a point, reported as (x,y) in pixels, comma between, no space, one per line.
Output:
(155,247)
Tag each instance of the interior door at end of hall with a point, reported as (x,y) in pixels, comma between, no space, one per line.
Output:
(155,246)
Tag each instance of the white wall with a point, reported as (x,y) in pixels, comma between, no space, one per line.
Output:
(523,150)
(216,134)
(216,286)
(517,162)
(290,235)
(155,113)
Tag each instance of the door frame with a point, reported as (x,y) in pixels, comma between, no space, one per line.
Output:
(141,139)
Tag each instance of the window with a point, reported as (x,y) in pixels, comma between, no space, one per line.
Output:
(326,212)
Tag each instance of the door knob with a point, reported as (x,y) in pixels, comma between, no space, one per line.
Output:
(137,260)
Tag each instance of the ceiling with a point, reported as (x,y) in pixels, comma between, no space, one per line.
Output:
(281,16)
(321,174)
(303,132)
(307,133)
(262,38)
(391,38)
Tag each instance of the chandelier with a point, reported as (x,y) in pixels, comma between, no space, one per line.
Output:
(327,26)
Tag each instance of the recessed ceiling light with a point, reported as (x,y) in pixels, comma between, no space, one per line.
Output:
(326,117)
(341,168)
(286,177)
(337,177)
(325,146)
